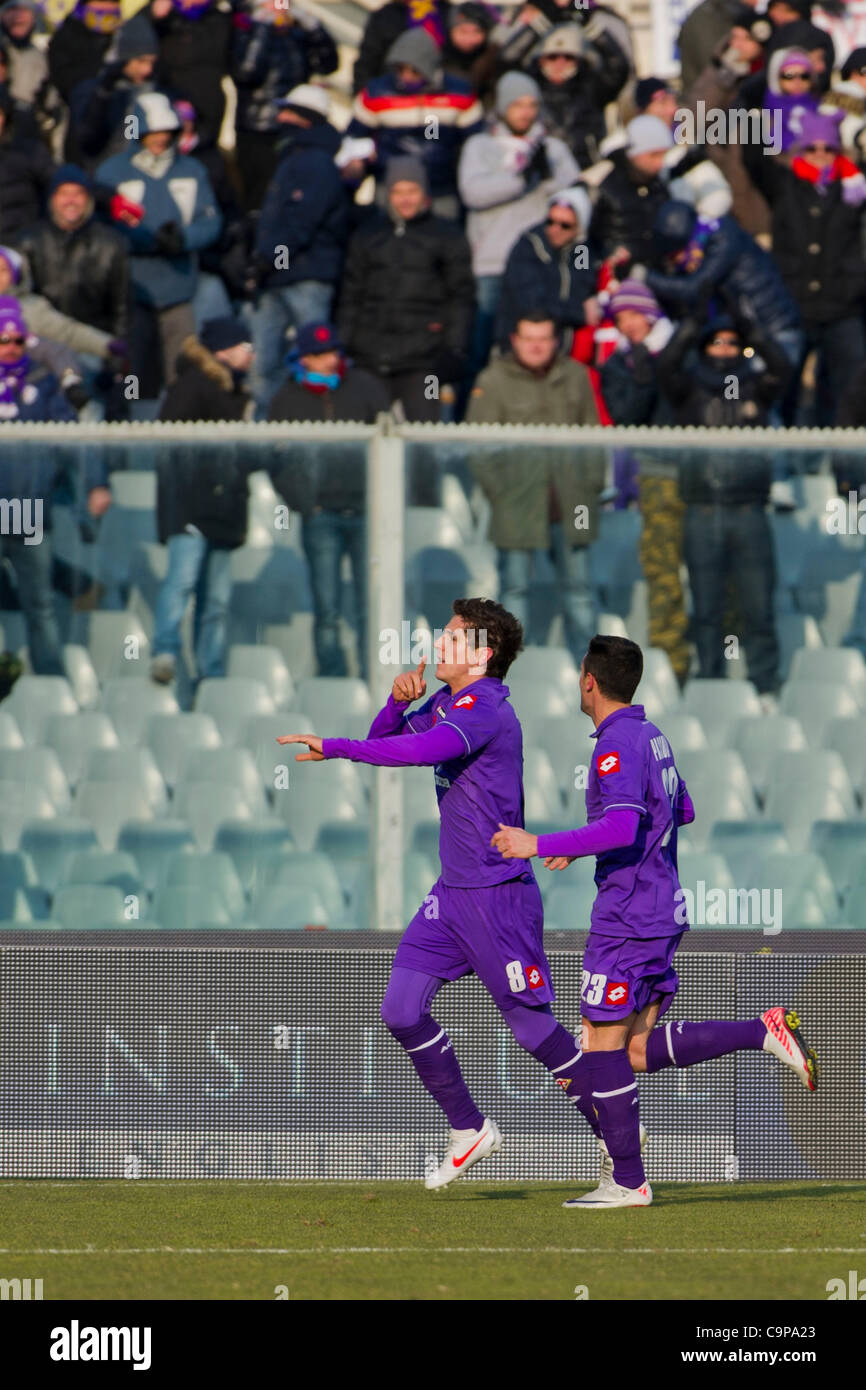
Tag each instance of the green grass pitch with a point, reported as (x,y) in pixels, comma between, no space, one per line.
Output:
(262,1240)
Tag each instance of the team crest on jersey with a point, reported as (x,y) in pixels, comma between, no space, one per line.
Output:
(466,702)
(607,763)
(535,977)
(616,992)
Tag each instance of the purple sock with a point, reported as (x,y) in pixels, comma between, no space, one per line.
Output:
(432,1055)
(615,1097)
(684,1044)
(562,1056)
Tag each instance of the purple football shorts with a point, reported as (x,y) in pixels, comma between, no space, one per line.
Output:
(621,977)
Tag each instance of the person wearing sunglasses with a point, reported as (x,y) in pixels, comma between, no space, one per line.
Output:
(545,270)
(791,94)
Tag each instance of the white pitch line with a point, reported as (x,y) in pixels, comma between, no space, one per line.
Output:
(454,1250)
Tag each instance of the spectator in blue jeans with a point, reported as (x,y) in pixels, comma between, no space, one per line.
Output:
(202,497)
(327,486)
(301,235)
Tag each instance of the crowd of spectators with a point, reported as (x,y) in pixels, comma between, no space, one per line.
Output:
(514,226)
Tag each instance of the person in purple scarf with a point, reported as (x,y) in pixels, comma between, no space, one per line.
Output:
(790,95)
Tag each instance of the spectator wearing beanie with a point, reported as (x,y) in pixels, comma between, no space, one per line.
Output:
(62,341)
(26,168)
(506,177)
(413,97)
(629,382)
(819,203)
(406,302)
(180,217)
(385,25)
(194,38)
(545,271)
(202,501)
(517,38)
(469,51)
(301,234)
(576,80)
(273,50)
(702,32)
(804,37)
(631,194)
(99,106)
(329,490)
(77,48)
(652,96)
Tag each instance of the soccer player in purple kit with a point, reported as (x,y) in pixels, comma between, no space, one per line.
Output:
(635,802)
(489,910)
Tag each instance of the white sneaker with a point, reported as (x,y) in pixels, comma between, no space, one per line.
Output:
(786,1042)
(605,1177)
(612,1195)
(465,1147)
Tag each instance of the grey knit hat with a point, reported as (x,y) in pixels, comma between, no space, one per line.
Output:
(511,87)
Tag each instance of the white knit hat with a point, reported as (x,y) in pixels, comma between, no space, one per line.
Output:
(308,98)
(579,200)
(647,133)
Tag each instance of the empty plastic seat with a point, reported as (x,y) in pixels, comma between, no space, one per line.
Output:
(305,869)
(16,870)
(547,665)
(39,769)
(132,767)
(815,704)
(269,584)
(711,773)
(347,844)
(744,841)
(540,786)
(80,906)
(37,699)
(225,765)
(419,797)
(134,487)
(116,868)
(306,808)
(51,844)
(188,906)
(795,776)
(331,698)
(131,704)
(152,844)
(829,585)
(534,700)
(253,846)
(704,866)
(582,871)
(205,805)
(214,871)
(431,526)
(18,807)
(10,734)
(81,675)
(760,741)
(118,645)
(799,809)
(842,846)
(684,733)
(838,665)
(568,906)
(658,675)
(265,664)
(73,736)
(121,529)
(283,908)
(232,702)
(808,895)
(848,738)
(108,804)
(718,704)
(177,738)
(425,839)
(419,877)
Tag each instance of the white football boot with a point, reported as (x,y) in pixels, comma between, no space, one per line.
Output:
(786,1042)
(605,1177)
(465,1147)
(603,1198)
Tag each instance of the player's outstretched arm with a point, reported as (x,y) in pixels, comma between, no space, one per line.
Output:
(616,829)
(441,744)
(313,742)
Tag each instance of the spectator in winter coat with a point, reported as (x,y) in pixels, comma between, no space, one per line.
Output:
(704,29)
(406,300)
(413,97)
(469,51)
(273,50)
(55,330)
(27,61)
(222,265)
(99,107)
(632,394)
(727,535)
(328,489)
(542,499)
(631,194)
(301,235)
(576,80)
(384,27)
(194,37)
(550,268)
(180,218)
(506,176)
(78,46)
(29,392)
(202,500)
(26,168)
(518,36)
(819,203)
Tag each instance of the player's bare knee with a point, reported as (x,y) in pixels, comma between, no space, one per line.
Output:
(637,1052)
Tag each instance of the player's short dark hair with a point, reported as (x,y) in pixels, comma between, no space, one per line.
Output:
(504,632)
(617,664)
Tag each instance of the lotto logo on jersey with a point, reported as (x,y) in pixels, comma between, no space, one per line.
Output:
(616,992)
(535,977)
(466,702)
(607,763)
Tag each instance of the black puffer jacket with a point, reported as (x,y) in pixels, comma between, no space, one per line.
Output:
(193,56)
(697,390)
(574,110)
(408,296)
(25,172)
(84,274)
(626,209)
(268,61)
(819,242)
(335,477)
(75,53)
(205,389)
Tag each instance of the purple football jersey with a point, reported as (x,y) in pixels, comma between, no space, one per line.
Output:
(633,769)
(477,787)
